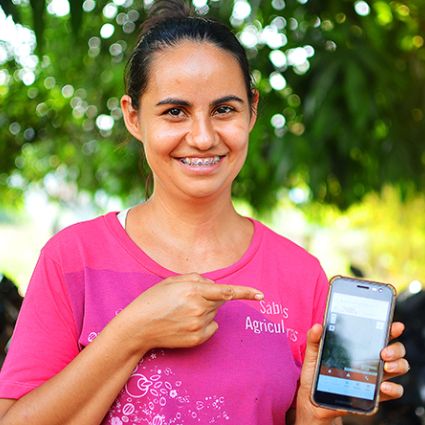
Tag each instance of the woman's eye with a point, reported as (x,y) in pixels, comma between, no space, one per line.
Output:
(224,109)
(174,112)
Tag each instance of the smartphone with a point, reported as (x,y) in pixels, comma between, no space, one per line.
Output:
(356,328)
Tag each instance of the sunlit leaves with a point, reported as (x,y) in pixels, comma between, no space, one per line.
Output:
(386,236)
(341,111)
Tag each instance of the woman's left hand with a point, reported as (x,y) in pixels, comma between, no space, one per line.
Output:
(394,365)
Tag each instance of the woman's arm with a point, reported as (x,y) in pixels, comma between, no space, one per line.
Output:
(178,312)
(83,392)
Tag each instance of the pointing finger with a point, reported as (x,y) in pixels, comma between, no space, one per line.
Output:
(215,292)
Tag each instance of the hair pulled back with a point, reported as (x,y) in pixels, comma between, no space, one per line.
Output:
(170,22)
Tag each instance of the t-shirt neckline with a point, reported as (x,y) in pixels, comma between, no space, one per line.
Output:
(149,263)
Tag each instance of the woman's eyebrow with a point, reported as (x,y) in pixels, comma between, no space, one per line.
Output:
(225,99)
(173,101)
(181,102)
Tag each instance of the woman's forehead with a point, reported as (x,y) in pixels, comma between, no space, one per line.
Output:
(195,66)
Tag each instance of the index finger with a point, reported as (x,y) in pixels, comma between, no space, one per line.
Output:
(216,292)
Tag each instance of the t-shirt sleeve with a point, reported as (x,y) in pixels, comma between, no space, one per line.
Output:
(45,339)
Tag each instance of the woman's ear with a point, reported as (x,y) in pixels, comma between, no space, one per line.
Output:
(254,108)
(131,117)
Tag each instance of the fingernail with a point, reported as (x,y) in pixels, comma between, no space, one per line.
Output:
(386,386)
(259,296)
(389,367)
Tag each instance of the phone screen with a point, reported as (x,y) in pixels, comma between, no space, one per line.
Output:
(356,330)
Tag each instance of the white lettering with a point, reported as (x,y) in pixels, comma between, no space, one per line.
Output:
(248,323)
(274,308)
(292,335)
(259,326)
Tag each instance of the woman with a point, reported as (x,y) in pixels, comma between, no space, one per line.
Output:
(181,311)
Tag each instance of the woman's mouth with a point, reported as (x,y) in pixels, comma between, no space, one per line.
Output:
(201,162)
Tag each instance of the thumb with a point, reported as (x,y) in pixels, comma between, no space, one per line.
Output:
(311,353)
(313,341)
(307,378)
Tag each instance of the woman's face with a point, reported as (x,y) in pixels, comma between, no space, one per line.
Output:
(194,120)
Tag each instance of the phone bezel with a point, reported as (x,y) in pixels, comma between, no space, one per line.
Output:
(345,405)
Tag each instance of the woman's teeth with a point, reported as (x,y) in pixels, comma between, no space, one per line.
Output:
(199,162)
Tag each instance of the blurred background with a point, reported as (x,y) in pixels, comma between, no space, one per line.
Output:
(336,161)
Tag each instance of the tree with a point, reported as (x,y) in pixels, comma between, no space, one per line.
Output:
(341,113)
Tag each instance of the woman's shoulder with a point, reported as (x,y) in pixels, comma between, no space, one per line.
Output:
(277,244)
(92,231)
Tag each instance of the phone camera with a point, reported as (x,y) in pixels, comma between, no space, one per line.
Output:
(380,289)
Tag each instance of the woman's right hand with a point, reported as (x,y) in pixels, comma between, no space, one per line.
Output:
(178,312)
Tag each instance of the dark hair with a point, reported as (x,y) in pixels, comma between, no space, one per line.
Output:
(168,23)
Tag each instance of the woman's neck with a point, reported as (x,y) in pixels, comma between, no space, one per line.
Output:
(202,236)
(201,219)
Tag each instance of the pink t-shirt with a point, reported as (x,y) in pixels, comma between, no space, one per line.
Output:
(245,374)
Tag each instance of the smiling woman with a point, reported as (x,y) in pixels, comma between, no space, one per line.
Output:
(144,315)
(193,122)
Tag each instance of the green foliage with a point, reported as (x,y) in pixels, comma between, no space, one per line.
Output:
(381,236)
(348,120)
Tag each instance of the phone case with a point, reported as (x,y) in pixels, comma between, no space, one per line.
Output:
(381,363)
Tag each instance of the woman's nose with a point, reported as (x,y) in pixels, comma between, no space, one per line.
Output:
(202,133)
